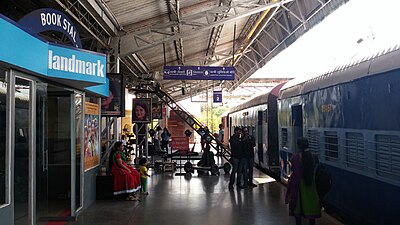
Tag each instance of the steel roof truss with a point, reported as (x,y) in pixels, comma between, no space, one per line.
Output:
(256,52)
(128,46)
(258,42)
(76,10)
(281,25)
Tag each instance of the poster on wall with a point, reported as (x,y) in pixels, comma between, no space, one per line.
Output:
(156,110)
(114,104)
(141,112)
(91,136)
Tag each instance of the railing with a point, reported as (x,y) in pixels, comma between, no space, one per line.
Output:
(190,119)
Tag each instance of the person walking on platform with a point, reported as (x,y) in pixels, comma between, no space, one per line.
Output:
(301,194)
(220,140)
(249,142)
(165,136)
(203,139)
(236,156)
(157,137)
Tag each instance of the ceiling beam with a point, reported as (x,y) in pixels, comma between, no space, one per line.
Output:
(129,43)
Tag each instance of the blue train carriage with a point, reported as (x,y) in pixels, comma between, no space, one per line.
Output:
(351,117)
(259,115)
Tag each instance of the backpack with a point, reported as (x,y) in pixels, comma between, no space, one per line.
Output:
(323,180)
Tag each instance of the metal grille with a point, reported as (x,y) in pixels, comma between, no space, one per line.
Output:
(355,153)
(313,141)
(388,156)
(331,145)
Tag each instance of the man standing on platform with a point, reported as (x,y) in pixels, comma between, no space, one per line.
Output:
(249,143)
(236,155)
(221,140)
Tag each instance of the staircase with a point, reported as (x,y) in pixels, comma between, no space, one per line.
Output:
(190,119)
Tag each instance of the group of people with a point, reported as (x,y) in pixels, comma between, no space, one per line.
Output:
(127,180)
(161,139)
(301,195)
(242,158)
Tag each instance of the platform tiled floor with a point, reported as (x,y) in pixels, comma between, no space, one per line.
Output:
(197,200)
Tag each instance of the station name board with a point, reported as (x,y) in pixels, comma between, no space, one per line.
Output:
(199,73)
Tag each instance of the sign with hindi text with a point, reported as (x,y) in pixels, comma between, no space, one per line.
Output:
(199,73)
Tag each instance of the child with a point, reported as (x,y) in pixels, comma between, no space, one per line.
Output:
(143,175)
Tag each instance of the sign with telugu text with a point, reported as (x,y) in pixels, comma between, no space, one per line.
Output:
(199,73)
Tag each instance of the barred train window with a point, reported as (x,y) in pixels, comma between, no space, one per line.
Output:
(388,156)
(355,154)
(331,146)
(284,137)
(313,141)
(3,94)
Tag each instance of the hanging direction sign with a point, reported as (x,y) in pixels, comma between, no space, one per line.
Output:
(217,96)
(199,73)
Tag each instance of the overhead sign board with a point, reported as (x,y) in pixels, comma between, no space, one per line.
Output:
(199,73)
(217,96)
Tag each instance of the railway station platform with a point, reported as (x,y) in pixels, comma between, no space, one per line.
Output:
(198,200)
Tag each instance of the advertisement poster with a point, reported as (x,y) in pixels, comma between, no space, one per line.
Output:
(141,112)
(156,110)
(180,143)
(114,104)
(91,136)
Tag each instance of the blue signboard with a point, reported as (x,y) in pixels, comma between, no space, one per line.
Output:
(50,19)
(75,65)
(199,73)
(24,50)
(102,89)
(217,96)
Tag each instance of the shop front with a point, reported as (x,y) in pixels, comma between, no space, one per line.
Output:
(44,119)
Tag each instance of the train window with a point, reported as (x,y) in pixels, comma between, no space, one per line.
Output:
(331,146)
(313,140)
(387,156)
(284,138)
(3,100)
(266,115)
(355,156)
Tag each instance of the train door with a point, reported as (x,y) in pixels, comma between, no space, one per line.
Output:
(260,155)
(230,127)
(297,125)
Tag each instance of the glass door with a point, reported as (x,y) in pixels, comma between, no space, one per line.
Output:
(21,151)
(78,151)
(54,125)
